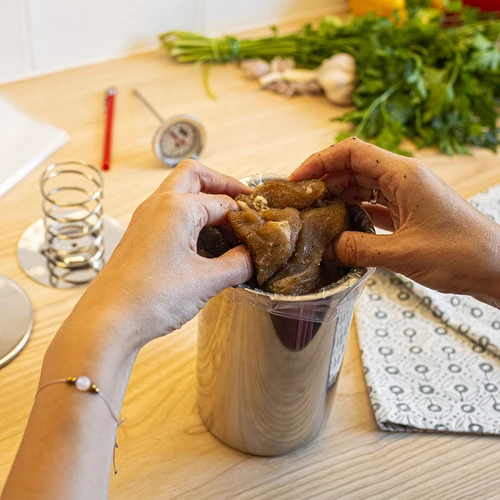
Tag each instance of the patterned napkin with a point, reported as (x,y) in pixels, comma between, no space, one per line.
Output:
(431,360)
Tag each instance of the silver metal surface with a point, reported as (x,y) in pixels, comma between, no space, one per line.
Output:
(67,247)
(34,262)
(267,364)
(194,151)
(147,104)
(16,320)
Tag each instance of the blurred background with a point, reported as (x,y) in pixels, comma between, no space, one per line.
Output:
(41,36)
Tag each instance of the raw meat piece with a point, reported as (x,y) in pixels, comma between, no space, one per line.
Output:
(284,194)
(271,236)
(301,275)
(212,242)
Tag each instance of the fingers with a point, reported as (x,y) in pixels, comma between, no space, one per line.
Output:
(212,209)
(193,177)
(232,268)
(380,216)
(356,195)
(350,154)
(338,182)
(362,250)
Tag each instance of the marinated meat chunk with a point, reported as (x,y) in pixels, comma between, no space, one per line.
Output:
(285,194)
(271,236)
(212,242)
(302,274)
(287,226)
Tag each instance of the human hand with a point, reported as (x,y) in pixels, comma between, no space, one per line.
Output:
(155,281)
(438,240)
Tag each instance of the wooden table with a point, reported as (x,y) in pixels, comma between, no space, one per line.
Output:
(165,450)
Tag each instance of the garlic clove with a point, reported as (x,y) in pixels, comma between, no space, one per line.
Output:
(273,76)
(281,64)
(255,68)
(279,87)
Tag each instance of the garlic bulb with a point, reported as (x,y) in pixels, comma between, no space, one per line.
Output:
(337,77)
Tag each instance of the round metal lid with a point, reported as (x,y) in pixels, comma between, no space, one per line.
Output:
(16,319)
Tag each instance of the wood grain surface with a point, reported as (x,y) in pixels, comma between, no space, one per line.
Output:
(165,451)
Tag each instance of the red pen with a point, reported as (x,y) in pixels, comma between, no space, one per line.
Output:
(110,106)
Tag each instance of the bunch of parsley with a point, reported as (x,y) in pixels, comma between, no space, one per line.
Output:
(435,86)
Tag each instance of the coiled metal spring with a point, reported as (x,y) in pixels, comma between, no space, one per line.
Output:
(73,220)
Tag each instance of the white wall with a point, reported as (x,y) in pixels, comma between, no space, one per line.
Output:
(40,36)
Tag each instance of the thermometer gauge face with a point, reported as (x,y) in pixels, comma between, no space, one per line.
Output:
(179,138)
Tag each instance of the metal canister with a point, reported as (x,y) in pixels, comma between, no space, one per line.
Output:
(268,364)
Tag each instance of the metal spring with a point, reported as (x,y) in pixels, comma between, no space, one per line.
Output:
(72,207)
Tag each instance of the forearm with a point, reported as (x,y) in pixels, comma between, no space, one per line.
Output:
(68,445)
(153,283)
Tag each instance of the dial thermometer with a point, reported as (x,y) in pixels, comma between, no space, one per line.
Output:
(179,138)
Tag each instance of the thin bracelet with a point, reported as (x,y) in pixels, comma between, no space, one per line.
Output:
(84,384)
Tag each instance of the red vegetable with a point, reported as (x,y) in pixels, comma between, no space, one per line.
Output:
(484,5)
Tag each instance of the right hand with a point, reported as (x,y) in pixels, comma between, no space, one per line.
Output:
(438,240)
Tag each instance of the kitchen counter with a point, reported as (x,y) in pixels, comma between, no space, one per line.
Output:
(165,451)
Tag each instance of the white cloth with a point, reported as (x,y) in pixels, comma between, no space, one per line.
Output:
(24,144)
(431,360)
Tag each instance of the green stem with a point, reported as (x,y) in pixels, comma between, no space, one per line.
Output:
(215,50)
(206,81)
(456,69)
(373,106)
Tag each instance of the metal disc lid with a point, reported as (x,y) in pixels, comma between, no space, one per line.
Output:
(16,319)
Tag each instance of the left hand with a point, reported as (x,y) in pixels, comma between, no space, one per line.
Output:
(155,281)
(438,239)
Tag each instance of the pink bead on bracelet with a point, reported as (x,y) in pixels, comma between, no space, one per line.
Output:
(84,384)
